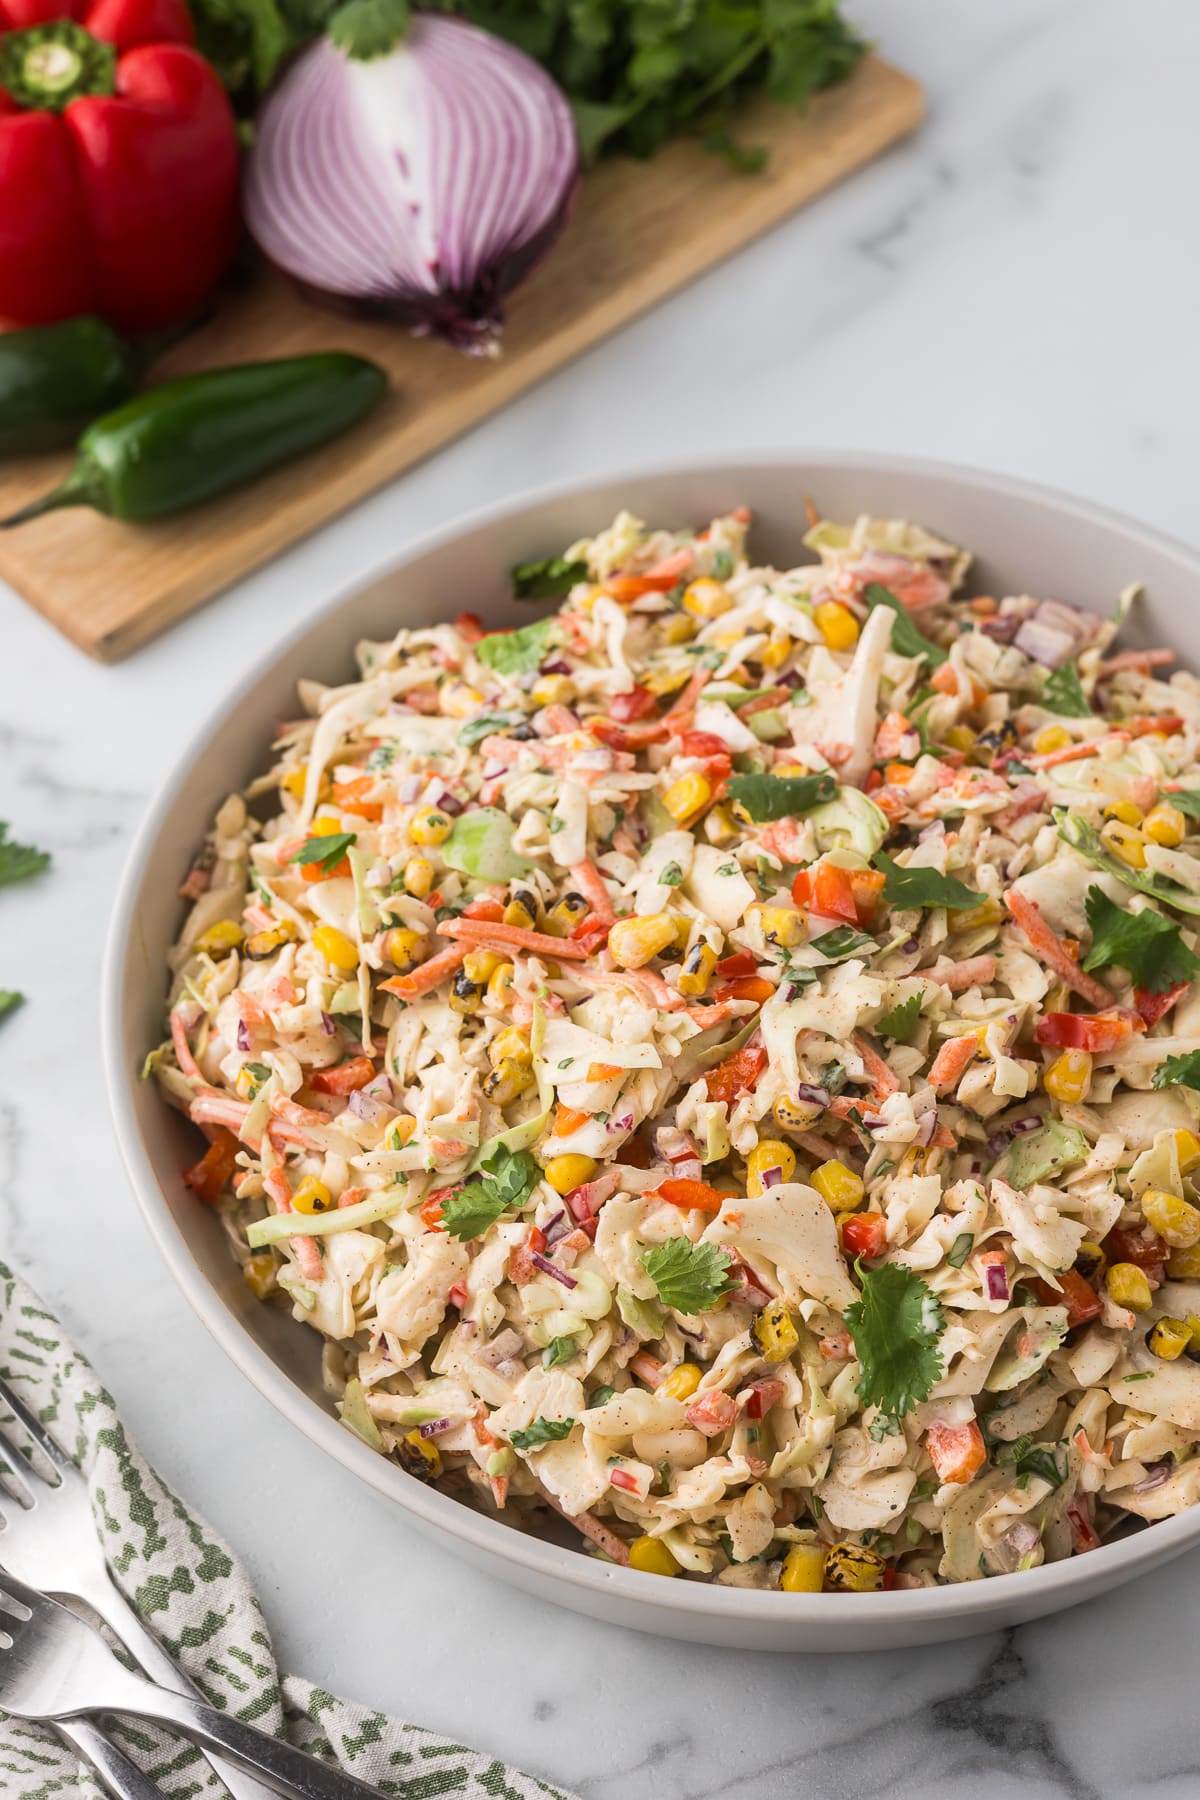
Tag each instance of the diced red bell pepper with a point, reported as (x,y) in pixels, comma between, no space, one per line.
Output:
(712,1413)
(629,737)
(693,1196)
(1079,1296)
(431,1208)
(469,626)
(736,1074)
(209,1178)
(636,703)
(836,893)
(346,1078)
(957,1452)
(706,744)
(762,1395)
(746,987)
(742,962)
(1143,1247)
(484,908)
(1154,1007)
(864,1234)
(1095,1032)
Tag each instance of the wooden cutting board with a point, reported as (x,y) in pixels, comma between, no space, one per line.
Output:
(639,231)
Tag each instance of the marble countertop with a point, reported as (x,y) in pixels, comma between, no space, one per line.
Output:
(1015,288)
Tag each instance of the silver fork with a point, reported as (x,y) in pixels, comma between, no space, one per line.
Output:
(49,1541)
(53,1666)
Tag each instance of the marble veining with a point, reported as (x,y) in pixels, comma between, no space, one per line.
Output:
(1014,288)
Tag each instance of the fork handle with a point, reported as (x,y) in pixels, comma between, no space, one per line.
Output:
(121,1777)
(288,1771)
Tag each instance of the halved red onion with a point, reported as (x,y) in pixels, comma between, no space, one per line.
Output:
(419,186)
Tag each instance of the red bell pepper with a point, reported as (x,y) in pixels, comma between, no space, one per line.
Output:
(1095,1032)
(737,1073)
(836,893)
(118,163)
(693,1196)
(636,703)
(1074,1292)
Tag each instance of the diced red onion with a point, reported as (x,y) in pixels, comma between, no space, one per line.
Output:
(434,1427)
(1022,1127)
(381,1087)
(329,1024)
(812,1096)
(556,666)
(492,770)
(409,790)
(548,1268)
(926,1128)
(243,1035)
(1043,644)
(995,1281)
(556,1227)
(505,1344)
(421,185)
(771,1177)
(1002,629)
(1022,1538)
(367,1107)
(1154,1477)
(624,1123)
(450,803)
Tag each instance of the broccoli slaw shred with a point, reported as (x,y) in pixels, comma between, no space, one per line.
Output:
(721,1062)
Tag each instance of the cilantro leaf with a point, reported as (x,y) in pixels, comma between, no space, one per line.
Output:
(767,797)
(483,725)
(690,1278)
(542,1431)
(515,652)
(901,1022)
(1145,943)
(1042,1462)
(558,1350)
(471,1211)
(1178,1071)
(1062,693)
(925,887)
(512,1174)
(906,639)
(326,852)
(9,1001)
(19,861)
(895,1326)
(550,579)
(842,941)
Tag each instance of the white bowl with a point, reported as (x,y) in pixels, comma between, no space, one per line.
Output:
(1025,539)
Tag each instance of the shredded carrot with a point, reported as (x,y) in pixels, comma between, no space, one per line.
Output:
(183,1050)
(1054,953)
(483,932)
(1136,659)
(1076,752)
(590,883)
(885,1082)
(429,975)
(952,1061)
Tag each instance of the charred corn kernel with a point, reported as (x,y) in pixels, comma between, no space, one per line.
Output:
(1193,1324)
(857,1570)
(652,1557)
(682,1382)
(780,924)
(719,826)
(220,938)
(565,1173)
(1090,1261)
(1169,1338)
(312,1196)
(686,798)
(988,912)
(430,827)
(508,1081)
(522,910)
(1127,1286)
(419,1456)
(665,681)
(697,971)
(683,930)
(776,653)
(459,700)
(839,1187)
(1051,738)
(465,994)
(837,625)
(481,965)
(767,1154)
(403,947)
(400,1132)
(1069,1077)
(553,690)
(1172,1218)
(566,914)
(509,1043)
(419,874)
(959,737)
(773,1333)
(336,947)
(677,629)
(266,943)
(258,1272)
(500,987)
(706,598)
(1185,1264)
(804,1569)
(295,782)
(634,942)
(1124,811)
(1165,825)
(1126,843)
(1187,1148)
(796,1115)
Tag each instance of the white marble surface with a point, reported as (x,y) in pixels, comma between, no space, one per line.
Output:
(1015,288)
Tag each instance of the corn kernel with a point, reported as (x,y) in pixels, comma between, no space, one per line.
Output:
(1124,811)
(781,925)
(635,942)
(677,628)
(686,798)
(1051,738)
(1165,825)
(682,1382)
(312,1196)
(295,782)
(706,598)
(419,874)
(1193,1324)
(512,1043)
(430,826)
(769,1153)
(1172,1218)
(1185,1264)
(481,965)
(665,680)
(566,914)
(796,1115)
(508,1081)
(1127,1286)
(697,971)
(652,1557)
(266,943)
(855,1569)
(988,912)
(1069,1077)
(403,947)
(837,625)
(804,1569)
(773,1334)
(458,700)
(553,690)
(522,910)
(565,1173)
(419,1456)
(1169,1338)
(719,826)
(776,653)
(839,1187)
(335,947)
(220,938)
(1125,842)
(400,1131)
(258,1272)
(959,737)
(328,825)
(500,987)
(465,994)
(1187,1148)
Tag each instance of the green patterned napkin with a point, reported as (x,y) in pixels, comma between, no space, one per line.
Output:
(197,1600)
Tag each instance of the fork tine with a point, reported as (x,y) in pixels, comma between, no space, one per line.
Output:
(14,1477)
(33,1427)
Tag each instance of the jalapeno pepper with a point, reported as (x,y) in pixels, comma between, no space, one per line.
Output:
(55,378)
